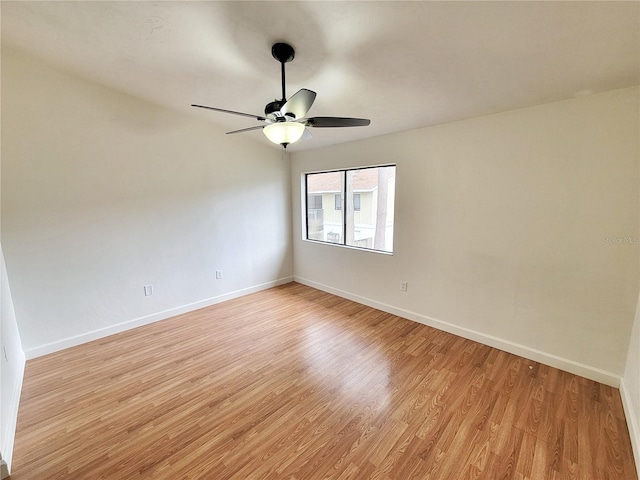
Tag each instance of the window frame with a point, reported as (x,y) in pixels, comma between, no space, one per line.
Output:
(343,210)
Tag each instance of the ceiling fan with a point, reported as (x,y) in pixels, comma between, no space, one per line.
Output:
(285,119)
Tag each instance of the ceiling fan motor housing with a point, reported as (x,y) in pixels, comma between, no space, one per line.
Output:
(272,109)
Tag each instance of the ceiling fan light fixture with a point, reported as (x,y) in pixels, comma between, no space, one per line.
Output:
(284,133)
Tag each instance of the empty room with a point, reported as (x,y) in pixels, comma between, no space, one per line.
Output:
(320,240)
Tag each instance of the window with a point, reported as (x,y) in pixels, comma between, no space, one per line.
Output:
(356,202)
(338,202)
(314,216)
(315,202)
(361,207)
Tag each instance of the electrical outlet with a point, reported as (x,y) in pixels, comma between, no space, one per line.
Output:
(218,274)
(403,286)
(148,290)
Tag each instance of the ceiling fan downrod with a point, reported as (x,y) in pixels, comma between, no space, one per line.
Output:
(284,53)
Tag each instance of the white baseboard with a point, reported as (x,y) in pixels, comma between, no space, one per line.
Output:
(593,373)
(138,322)
(7,447)
(577,368)
(632,422)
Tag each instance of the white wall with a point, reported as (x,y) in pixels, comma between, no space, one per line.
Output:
(630,388)
(103,193)
(12,361)
(508,230)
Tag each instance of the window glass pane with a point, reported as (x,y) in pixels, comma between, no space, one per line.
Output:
(369,217)
(324,222)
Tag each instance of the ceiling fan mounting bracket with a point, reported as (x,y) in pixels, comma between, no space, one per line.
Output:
(283,52)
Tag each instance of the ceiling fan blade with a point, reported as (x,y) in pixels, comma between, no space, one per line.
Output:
(337,122)
(257,117)
(306,135)
(246,129)
(299,104)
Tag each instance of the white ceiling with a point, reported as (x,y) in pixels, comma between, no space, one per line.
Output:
(404,65)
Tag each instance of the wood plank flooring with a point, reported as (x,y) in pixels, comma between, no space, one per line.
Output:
(293,383)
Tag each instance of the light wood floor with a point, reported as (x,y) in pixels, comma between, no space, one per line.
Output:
(293,383)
